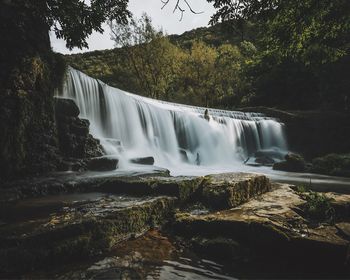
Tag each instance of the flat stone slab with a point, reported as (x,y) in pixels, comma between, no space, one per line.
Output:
(78,229)
(67,182)
(228,190)
(217,191)
(272,226)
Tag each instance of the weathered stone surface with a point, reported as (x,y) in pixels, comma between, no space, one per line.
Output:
(185,188)
(227,190)
(80,230)
(143,160)
(60,183)
(216,191)
(102,164)
(66,107)
(271,227)
(73,132)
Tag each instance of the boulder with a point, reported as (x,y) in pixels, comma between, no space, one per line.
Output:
(293,163)
(102,164)
(332,164)
(264,160)
(143,160)
(66,107)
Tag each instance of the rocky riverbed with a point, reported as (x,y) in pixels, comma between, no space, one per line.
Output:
(238,220)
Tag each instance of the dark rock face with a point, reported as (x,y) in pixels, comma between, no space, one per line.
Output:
(73,133)
(143,160)
(28,75)
(313,133)
(102,164)
(293,163)
(66,107)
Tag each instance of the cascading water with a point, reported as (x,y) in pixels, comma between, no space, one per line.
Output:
(175,135)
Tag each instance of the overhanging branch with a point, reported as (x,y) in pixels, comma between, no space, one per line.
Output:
(179,7)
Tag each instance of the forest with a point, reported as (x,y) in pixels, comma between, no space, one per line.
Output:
(287,56)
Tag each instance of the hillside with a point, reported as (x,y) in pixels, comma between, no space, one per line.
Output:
(109,65)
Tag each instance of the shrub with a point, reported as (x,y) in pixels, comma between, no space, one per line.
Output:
(318,206)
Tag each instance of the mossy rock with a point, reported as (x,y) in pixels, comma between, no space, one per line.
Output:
(332,164)
(293,163)
(83,231)
(228,190)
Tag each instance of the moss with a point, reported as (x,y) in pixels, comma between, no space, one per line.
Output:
(29,144)
(77,237)
(220,192)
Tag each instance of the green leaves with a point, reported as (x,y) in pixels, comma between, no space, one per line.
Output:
(75,20)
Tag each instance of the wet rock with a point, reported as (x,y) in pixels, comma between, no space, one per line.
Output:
(102,164)
(143,160)
(271,228)
(66,107)
(78,231)
(184,188)
(73,133)
(292,163)
(227,190)
(72,165)
(264,160)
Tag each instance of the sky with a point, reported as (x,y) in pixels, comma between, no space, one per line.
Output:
(169,21)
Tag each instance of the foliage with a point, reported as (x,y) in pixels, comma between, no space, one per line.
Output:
(318,207)
(178,69)
(74,20)
(332,164)
(304,50)
(151,58)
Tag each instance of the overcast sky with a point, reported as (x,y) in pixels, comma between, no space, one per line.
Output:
(161,18)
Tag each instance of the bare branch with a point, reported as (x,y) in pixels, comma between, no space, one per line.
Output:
(178,7)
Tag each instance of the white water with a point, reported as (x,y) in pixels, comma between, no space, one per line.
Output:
(132,126)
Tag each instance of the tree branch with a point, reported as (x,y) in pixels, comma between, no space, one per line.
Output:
(179,8)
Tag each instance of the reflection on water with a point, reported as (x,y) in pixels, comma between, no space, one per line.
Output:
(152,256)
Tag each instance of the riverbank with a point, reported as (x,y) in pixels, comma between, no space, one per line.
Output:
(231,218)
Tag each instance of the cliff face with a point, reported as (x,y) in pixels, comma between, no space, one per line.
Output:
(313,133)
(27,80)
(29,74)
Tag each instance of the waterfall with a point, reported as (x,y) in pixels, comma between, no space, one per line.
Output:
(130,126)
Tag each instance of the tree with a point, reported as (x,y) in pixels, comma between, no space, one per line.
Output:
(72,20)
(310,31)
(198,74)
(152,59)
